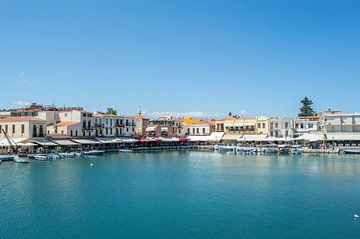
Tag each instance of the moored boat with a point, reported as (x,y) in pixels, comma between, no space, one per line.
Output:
(352,151)
(126,150)
(296,149)
(21,159)
(7,158)
(94,152)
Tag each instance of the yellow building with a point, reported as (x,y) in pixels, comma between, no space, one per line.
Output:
(262,125)
(240,126)
(23,127)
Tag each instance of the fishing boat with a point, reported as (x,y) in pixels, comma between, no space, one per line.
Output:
(94,152)
(7,158)
(126,150)
(40,157)
(21,159)
(283,149)
(352,151)
(296,149)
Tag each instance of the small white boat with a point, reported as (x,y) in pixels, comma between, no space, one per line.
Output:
(356,216)
(94,152)
(68,155)
(7,157)
(296,149)
(21,159)
(126,150)
(41,157)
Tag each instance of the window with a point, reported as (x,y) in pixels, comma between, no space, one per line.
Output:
(0,129)
(203,130)
(71,133)
(66,114)
(13,129)
(286,133)
(259,125)
(311,126)
(22,128)
(264,125)
(197,130)
(193,130)
(62,131)
(286,125)
(6,128)
(271,125)
(302,126)
(276,125)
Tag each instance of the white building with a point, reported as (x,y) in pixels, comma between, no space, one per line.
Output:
(86,120)
(281,127)
(304,126)
(197,129)
(337,122)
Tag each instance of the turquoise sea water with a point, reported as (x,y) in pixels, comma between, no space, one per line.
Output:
(182,195)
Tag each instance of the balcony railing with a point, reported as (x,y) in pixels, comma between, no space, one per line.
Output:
(88,127)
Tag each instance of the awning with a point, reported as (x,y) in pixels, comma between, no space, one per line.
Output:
(213,137)
(5,142)
(343,136)
(107,140)
(164,129)
(150,129)
(86,141)
(199,138)
(169,139)
(231,137)
(237,124)
(44,142)
(311,137)
(253,138)
(65,143)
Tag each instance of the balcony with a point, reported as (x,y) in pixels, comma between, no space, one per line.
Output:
(87,127)
(99,125)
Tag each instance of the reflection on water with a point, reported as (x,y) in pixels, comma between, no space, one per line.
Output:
(182,194)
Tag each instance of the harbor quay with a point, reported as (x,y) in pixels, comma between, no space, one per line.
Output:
(42,130)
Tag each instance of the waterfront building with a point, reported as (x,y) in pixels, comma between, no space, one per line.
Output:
(281,127)
(24,127)
(161,131)
(337,122)
(305,125)
(141,123)
(240,126)
(262,125)
(72,129)
(201,128)
(86,120)
(174,125)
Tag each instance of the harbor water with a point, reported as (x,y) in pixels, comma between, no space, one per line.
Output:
(182,195)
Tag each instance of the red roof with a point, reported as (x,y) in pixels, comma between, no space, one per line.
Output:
(21,118)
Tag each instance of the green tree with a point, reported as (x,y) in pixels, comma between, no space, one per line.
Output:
(111,111)
(306,109)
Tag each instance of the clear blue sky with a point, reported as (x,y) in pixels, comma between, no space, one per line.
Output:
(260,57)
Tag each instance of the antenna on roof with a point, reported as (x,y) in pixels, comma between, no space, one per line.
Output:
(140,110)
